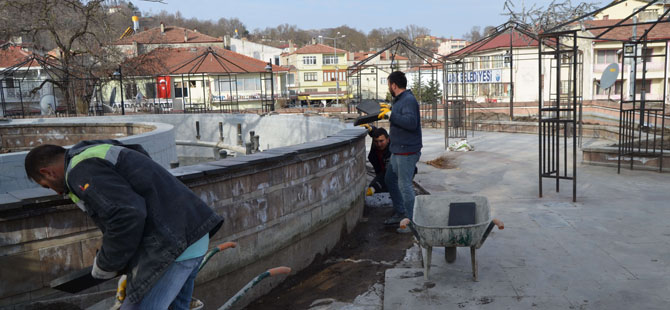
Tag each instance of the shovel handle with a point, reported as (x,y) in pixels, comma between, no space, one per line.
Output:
(279,270)
(226,245)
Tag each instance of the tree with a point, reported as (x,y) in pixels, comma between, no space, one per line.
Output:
(473,35)
(541,19)
(78,30)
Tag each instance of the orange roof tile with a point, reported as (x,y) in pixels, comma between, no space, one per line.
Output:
(317,49)
(172,35)
(185,60)
(660,32)
(500,41)
(13,55)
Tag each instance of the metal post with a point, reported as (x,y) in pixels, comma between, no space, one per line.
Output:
(123,106)
(337,73)
(221,131)
(511,76)
(272,88)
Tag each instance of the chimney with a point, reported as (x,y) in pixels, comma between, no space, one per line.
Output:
(291,47)
(162,28)
(185,36)
(226,42)
(136,23)
(136,49)
(386,55)
(313,41)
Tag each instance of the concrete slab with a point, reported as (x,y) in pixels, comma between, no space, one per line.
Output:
(609,250)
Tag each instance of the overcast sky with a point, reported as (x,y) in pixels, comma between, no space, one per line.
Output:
(446,18)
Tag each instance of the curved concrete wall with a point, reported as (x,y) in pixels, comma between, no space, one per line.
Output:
(283,206)
(156,138)
(274,131)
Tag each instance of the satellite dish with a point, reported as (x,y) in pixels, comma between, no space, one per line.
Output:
(609,76)
(48,104)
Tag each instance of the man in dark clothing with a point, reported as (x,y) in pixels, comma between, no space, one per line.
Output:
(405,146)
(155,229)
(379,157)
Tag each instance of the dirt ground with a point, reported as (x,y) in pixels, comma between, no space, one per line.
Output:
(357,262)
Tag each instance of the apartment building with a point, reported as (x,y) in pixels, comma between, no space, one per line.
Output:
(317,74)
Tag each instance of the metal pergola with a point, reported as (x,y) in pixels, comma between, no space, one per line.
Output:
(16,80)
(460,102)
(428,64)
(638,117)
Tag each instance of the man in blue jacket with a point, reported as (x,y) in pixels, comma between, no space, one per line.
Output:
(154,228)
(405,146)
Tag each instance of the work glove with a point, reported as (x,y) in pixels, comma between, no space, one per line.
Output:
(121,288)
(368,127)
(384,113)
(370,191)
(98,273)
(385,105)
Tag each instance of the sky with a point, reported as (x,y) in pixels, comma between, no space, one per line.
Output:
(445,18)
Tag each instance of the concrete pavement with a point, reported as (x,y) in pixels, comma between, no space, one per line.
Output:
(609,250)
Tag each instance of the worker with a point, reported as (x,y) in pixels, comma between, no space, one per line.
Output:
(379,157)
(405,146)
(154,228)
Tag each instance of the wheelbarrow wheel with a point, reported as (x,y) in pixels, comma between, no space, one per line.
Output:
(450,254)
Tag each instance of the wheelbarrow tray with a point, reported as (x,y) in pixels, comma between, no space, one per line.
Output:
(431,215)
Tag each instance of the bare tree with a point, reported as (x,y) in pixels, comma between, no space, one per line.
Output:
(541,19)
(79,31)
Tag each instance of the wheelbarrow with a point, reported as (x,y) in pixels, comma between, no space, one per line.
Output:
(431,229)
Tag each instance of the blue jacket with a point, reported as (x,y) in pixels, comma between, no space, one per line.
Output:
(146,215)
(405,124)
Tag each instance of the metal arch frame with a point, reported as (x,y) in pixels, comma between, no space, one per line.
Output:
(459,57)
(428,57)
(549,153)
(46,63)
(194,65)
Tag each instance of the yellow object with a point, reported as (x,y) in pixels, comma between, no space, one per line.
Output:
(383,112)
(121,288)
(369,191)
(126,33)
(385,105)
(135,18)
(366,126)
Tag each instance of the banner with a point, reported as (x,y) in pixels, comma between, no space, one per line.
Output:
(476,77)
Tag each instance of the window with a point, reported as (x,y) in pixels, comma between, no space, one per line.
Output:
(310,76)
(309,60)
(606,57)
(180,90)
(9,82)
(331,76)
(615,91)
(498,61)
(382,81)
(639,86)
(248,84)
(257,55)
(329,60)
(224,85)
(130,89)
(484,62)
(290,78)
(150,90)
(647,53)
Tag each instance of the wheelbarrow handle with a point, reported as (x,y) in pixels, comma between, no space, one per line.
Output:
(494,222)
(404,223)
